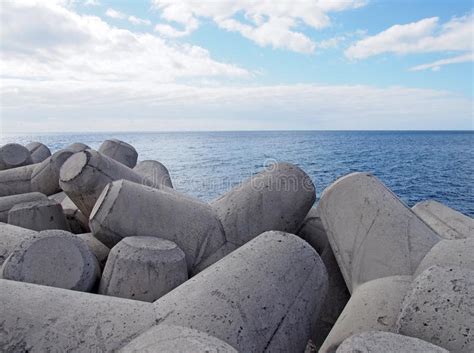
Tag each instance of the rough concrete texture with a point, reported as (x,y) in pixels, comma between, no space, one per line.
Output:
(16,180)
(13,155)
(11,237)
(55,258)
(120,151)
(100,251)
(45,177)
(77,221)
(439,308)
(374,306)
(58,197)
(176,339)
(186,221)
(457,252)
(38,151)
(277,198)
(264,296)
(143,268)
(7,202)
(372,233)
(86,173)
(39,319)
(38,215)
(445,221)
(386,342)
(77,147)
(156,174)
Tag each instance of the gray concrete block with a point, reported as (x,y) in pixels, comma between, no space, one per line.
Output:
(77,147)
(38,151)
(157,174)
(143,268)
(386,342)
(11,237)
(120,151)
(45,177)
(38,215)
(374,306)
(41,319)
(100,251)
(13,155)
(448,223)
(439,308)
(264,296)
(77,221)
(277,198)
(7,202)
(184,220)
(58,197)
(55,258)
(16,180)
(372,233)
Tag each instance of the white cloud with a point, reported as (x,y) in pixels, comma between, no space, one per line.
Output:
(115,14)
(267,23)
(91,3)
(138,21)
(121,16)
(436,65)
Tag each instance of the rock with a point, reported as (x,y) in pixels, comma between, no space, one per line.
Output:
(120,151)
(176,339)
(439,308)
(457,252)
(100,251)
(38,151)
(445,221)
(77,147)
(38,215)
(264,296)
(184,220)
(13,155)
(40,319)
(11,237)
(86,173)
(374,306)
(45,177)
(16,180)
(7,202)
(156,175)
(54,258)
(276,199)
(387,342)
(372,233)
(143,268)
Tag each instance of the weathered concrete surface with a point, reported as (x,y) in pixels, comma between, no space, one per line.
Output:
(176,339)
(13,155)
(55,258)
(77,147)
(155,173)
(86,173)
(372,233)
(143,268)
(41,319)
(77,221)
(58,197)
(448,223)
(100,251)
(264,296)
(120,151)
(386,342)
(276,199)
(45,177)
(374,306)
(439,308)
(38,215)
(11,237)
(16,180)
(459,252)
(38,151)
(7,202)
(184,220)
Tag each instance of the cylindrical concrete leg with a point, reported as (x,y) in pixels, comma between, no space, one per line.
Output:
(120,151)
(7,202)
(155,172)
(11,237)
(16,180)
(39,152)
(45,177)
(77,147)
(100,251)
(38,215)
(13,155)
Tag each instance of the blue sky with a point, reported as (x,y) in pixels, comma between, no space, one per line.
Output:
(236,65)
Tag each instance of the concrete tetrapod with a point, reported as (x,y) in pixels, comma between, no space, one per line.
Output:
(45,176)
(13,155)
(54,258)
(277,198)
(7,202)
(188,222)
(100,251)
(372,233)
(38,215)
(38,151)
(157,174)
(86,173)
(445,221)
(120,151)
(39,319)
(77,147)
(11,237)
(143,268)
(16,180)
(264,296)
(374,306)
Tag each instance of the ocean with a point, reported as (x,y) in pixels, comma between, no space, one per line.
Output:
(415,165)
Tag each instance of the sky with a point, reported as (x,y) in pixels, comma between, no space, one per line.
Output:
(169,65)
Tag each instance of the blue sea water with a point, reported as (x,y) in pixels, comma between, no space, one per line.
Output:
(414,165)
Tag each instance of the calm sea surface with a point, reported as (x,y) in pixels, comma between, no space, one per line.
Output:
(415,165)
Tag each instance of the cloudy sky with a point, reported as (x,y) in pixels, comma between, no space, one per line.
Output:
(154,65)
